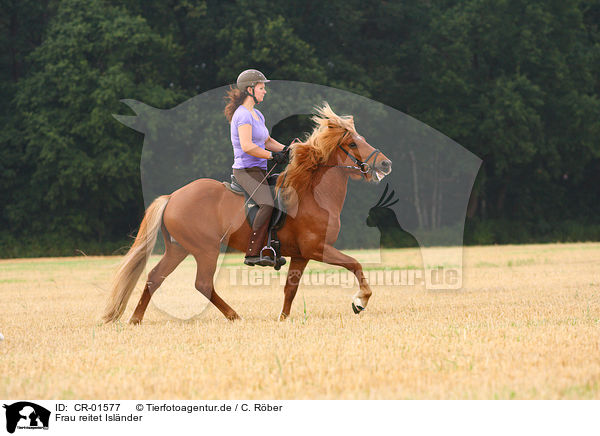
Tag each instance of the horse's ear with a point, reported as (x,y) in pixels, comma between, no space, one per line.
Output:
(352,120)
(144,114)
(128,120)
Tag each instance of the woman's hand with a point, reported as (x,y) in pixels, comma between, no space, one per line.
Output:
(281,157)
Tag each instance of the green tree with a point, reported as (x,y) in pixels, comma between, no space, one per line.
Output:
(511,80)
(82,166)
(256,38)
(22,24)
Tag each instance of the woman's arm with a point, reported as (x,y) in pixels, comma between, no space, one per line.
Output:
(245,133)
(271,144)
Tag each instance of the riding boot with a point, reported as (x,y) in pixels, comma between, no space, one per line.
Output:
(255,245)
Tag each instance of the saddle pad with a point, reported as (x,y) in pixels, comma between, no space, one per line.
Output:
(279,214)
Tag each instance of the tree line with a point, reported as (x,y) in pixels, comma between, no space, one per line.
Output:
(515,82)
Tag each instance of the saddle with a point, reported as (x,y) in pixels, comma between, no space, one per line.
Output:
(277,218)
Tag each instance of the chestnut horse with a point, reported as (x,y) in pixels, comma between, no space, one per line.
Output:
(199,215)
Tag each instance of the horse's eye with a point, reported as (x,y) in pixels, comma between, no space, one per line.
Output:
(352,145)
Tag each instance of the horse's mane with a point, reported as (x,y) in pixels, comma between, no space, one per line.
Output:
(307,156)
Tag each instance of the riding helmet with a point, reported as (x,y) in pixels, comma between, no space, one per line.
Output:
(250,78)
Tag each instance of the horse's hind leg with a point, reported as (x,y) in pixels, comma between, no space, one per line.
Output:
(207,265)
(173,256)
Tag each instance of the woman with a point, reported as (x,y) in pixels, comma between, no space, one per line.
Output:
(252,146)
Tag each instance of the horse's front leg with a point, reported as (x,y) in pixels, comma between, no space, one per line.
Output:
(295,271)
(333,256)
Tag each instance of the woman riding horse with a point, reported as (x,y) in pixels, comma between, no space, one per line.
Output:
(200,214)
(250,139)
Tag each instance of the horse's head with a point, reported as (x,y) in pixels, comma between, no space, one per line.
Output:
(355,151)
(346,148)
(333,142)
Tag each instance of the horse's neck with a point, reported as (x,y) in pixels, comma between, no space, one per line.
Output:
(330,191)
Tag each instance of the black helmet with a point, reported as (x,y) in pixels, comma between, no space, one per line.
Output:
(250,78)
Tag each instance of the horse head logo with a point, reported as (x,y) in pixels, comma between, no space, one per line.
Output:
(26,415)
(433,175)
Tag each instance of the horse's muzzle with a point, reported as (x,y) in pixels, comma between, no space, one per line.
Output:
(385,166)
(381,170)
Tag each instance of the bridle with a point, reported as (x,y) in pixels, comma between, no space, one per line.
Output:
(363,166)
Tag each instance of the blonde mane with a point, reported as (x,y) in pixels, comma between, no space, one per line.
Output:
(306,157)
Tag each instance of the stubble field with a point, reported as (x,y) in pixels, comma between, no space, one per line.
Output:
(526,325)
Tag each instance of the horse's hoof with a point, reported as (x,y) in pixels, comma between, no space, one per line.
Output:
(357,308)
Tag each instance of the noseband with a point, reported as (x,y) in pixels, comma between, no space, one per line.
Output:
(363,166)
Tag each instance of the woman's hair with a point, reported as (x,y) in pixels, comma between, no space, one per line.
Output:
(234,98)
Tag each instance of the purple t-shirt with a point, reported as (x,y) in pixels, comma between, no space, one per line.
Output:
(260,133)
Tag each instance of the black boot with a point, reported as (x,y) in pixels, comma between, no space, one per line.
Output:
(255,255)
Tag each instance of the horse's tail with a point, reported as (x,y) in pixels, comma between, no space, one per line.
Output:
(133,263)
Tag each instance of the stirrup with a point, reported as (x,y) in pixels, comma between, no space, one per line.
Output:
(267,261)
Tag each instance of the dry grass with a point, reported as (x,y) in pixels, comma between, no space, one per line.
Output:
(525,325)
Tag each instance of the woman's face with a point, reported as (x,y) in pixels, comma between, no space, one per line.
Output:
(260,91)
